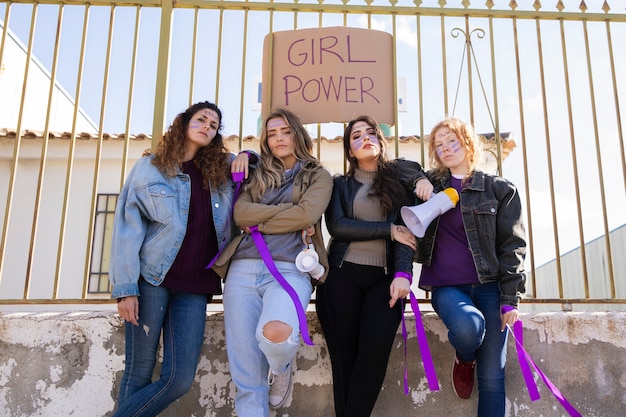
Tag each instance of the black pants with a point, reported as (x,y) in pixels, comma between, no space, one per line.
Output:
(360,328)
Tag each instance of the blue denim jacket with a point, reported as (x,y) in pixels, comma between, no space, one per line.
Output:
(151,222)
(492,216)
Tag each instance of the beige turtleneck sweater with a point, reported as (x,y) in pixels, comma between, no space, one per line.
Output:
(367,208)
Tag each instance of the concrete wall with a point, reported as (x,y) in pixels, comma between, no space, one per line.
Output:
(70,364)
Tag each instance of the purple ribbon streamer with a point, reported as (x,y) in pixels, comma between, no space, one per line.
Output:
(427,360)
(404,337)
(518,335)
(524,359)
(402,274)
(269,262)
(531,385)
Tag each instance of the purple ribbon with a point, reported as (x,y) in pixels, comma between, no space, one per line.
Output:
(531,385)
(524,359)
(427,360)
(269,262)
(402,274)
(518,335)
(238,178)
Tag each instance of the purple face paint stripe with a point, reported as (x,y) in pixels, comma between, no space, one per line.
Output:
(454,148)
(358,143)
(275,123)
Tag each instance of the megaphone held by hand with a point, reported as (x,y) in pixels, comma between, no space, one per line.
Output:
(308,261)
(417,218)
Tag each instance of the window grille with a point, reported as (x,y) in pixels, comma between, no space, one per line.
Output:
(101,244)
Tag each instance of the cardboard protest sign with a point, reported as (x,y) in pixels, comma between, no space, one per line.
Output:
(329,74)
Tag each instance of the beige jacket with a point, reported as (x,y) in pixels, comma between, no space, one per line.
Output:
(312,189)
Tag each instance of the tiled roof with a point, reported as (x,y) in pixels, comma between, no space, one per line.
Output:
(38,134)
(508,144)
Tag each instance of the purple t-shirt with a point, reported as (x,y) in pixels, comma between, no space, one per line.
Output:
(452,262)
(188,272)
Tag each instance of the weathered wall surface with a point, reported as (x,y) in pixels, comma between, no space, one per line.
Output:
(70,364)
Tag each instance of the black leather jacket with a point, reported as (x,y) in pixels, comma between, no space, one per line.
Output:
(344,228)
(492,216)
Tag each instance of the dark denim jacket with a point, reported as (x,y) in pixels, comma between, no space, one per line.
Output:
(492,215)
(344,228)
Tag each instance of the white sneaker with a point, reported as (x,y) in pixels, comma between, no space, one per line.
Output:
(280,386)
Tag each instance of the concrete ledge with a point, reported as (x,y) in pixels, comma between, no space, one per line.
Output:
(70,364)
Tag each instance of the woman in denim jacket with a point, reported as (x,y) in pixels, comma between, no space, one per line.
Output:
(473,262)
(371,265)
(158,269)
(284,201)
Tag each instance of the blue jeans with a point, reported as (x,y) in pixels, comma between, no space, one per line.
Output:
(252,298)
(472,315)
(181,317)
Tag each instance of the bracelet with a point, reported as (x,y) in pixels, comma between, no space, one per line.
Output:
(253,158)
(506,308)
(402,274)
(121,299)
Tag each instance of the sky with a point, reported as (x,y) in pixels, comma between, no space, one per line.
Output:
(545,129)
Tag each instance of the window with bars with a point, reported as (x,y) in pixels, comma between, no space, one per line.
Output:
(101,245)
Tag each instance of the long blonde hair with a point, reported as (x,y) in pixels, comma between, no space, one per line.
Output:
(270,173)
(465,133)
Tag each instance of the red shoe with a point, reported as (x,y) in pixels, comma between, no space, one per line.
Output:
(463,378)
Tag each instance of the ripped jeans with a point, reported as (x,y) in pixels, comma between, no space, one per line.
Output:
(252,298)
(178,317)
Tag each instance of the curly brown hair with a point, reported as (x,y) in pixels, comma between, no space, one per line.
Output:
(211,159)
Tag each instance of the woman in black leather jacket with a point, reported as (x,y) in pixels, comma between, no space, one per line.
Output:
(477,294)
(371,262)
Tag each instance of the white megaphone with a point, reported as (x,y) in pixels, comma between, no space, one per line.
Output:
(417,218)
(308,261)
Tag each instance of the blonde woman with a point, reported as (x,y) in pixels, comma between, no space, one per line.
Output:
(285,199)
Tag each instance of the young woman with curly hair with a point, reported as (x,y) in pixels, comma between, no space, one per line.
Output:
(173,216)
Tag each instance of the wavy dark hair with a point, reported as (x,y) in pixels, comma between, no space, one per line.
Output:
(211,159)
(387,186)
